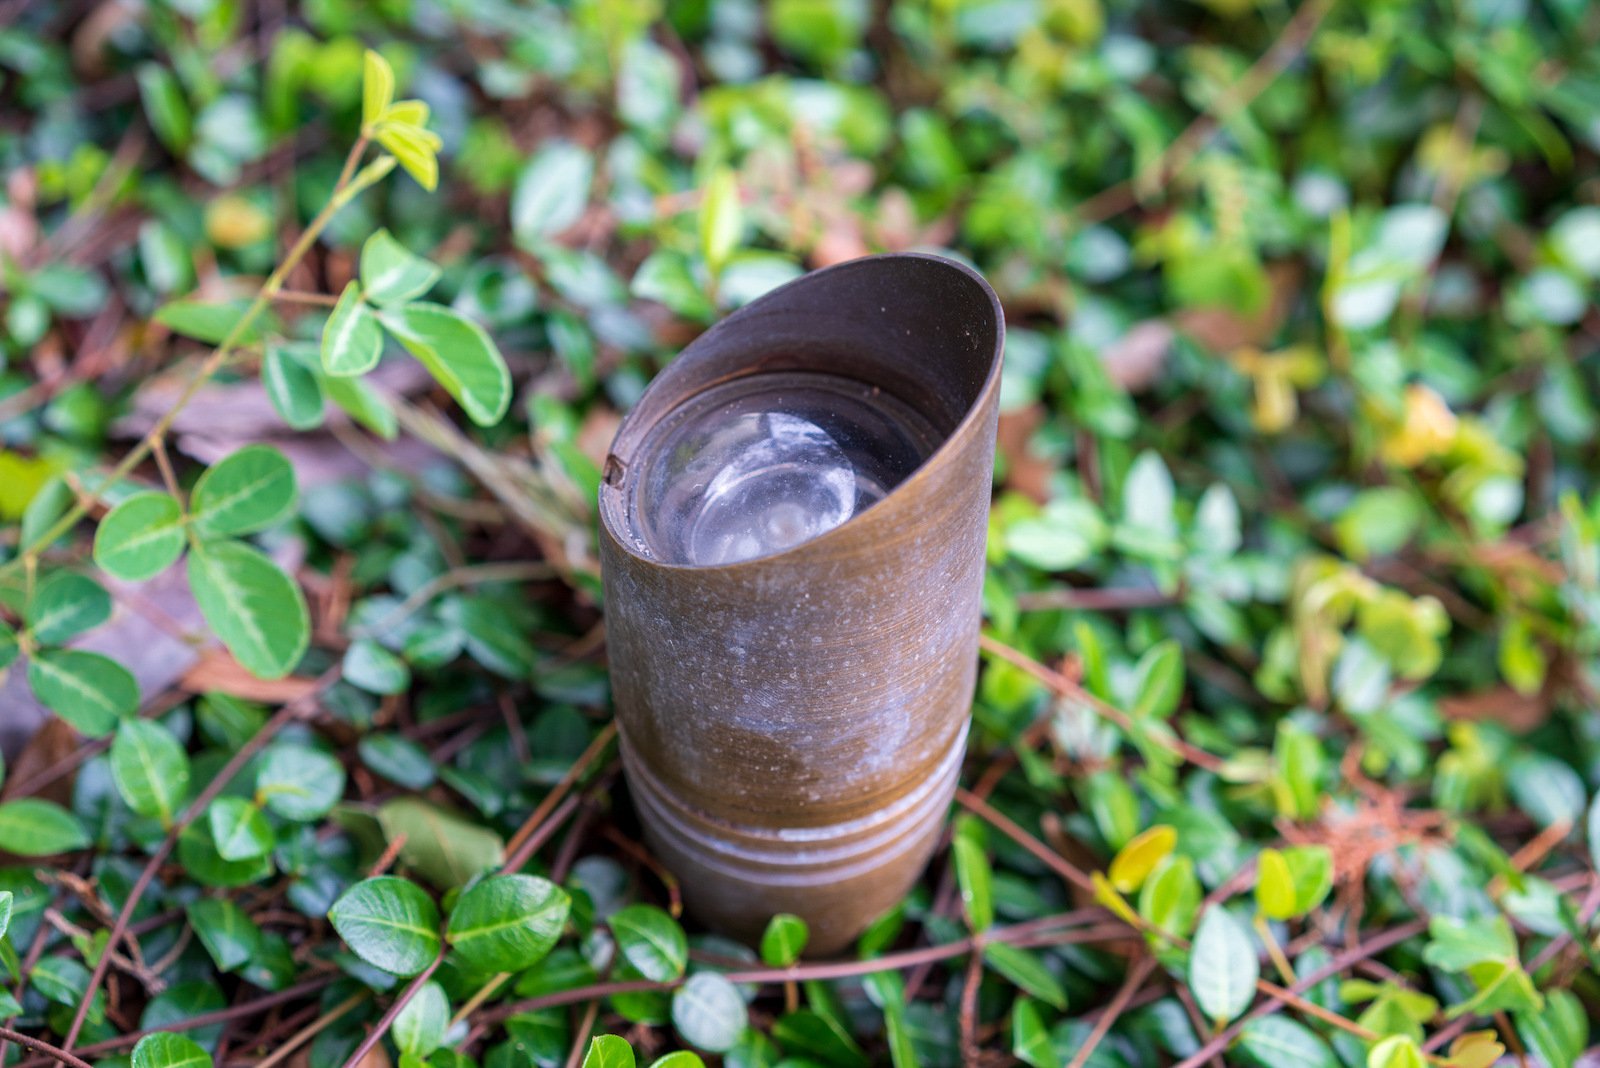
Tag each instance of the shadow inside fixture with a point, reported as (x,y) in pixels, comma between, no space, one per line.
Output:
(793,523)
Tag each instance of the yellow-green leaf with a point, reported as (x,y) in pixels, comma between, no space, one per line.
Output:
(1107,895)
(411,145)
(377,88)
(1135,861)
(1274,886)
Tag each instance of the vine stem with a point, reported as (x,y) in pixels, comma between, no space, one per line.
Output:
(349,185)
(28,1042)
(1065,687)
(280,719)
(382,1027)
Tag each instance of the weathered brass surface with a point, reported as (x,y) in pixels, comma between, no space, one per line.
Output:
(792,725)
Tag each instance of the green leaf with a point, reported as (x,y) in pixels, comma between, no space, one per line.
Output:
(8,645)
(708,1012)
(390,923)
(974,877)
(1378,522)
(256,609)
(1275,896)
(292,387)
(784,940)
(397,759)
(608,1051)
(508,922)
(65,605)
(34,827)
(164,1049)
(1027,971)
(199,857)
(239,829)
(1030,1038)
(721,219)
(140,538)
(89,691)
(822,1037)
(226,932)
(1222,966)
(299,783)
(391,273)
(651,941)
(1396,1051)
(1170,897)
(1594,832)
(1279,1042)
(62,980)
(415,147)
(165,106)
(681,1059)
(459,355)
(1560,1033)
(351,339)
(1160,685)
(551,192)
(248,490)
(150,769)
(211,323)
(420,1027)
(377,87)
(1311,869)
(364,404)
(374,668)
(440,846)
(7,899)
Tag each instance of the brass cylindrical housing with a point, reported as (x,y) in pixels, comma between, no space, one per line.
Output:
(792,725)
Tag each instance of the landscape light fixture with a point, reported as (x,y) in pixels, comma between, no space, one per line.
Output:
(792,539)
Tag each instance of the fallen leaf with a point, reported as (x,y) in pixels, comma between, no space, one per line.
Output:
(217,671)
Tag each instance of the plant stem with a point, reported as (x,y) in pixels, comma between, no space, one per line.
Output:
(350,184)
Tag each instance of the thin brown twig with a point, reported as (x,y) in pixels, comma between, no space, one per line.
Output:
(311,1030)
(386,1021)
(1370,948)
(289,712)
(1136,976)
(1177,156)
(1006,826)
(1068,688)
(548,804)
(205,1019)
(28,1042)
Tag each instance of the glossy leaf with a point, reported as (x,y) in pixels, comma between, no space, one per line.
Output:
(150,768)
(257,610)
(391,273)
(140,538)
(352,342)
(299,783)
(651,941)
(459,355)
(34,827)
(1223,968)
(390,923)
(507,923)
(246,491)
(90,691)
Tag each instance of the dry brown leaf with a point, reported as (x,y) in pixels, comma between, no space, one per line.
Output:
(1134,361)
(52,743)
(217,671)
(1026,473)
(1220,330)
(1519,713)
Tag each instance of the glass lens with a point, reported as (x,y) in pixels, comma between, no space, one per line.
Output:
(766,462)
